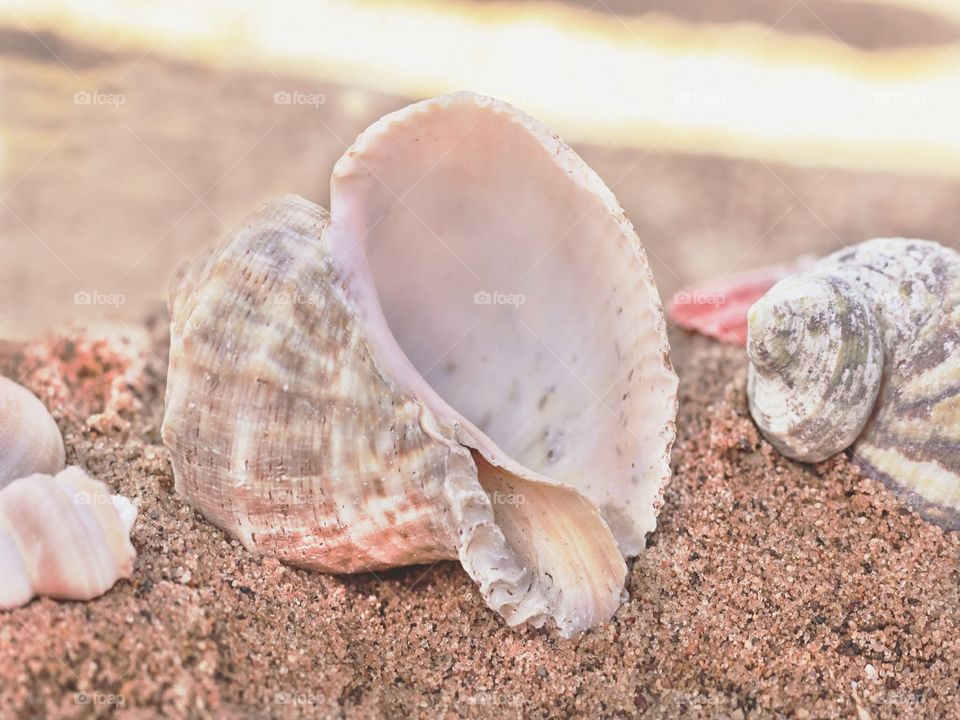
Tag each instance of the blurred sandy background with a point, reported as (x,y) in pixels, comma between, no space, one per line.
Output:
(734,133)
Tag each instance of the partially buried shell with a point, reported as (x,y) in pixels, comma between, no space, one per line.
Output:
(863,350)
(30,441)
(465,359)
(64,536)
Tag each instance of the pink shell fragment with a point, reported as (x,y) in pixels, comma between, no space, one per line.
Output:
(718,308)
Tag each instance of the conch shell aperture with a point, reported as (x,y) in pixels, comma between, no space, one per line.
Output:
(466,359)
(863,350)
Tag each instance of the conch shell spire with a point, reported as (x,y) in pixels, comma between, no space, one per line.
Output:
(818,333)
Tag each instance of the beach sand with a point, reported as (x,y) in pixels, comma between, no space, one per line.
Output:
(769,589)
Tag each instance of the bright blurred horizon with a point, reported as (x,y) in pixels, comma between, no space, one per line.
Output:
(734,89)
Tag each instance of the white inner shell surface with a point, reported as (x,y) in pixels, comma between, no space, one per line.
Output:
(511,280)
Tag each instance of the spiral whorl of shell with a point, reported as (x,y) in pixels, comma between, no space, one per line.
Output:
(863,350)
(816,332)
(63,536)
(345,394)
(30,441)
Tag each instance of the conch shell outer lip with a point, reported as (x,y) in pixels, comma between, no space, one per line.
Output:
(319,431)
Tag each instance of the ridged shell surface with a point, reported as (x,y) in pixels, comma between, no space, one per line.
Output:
(863,350)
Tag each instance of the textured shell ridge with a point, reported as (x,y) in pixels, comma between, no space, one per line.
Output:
(279,378)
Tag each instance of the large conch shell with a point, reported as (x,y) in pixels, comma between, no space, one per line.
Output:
(30,441)
(863,350)
(63,536)
(465,359)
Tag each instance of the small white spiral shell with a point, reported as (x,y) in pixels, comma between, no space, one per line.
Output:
(64,536)
(30,441)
